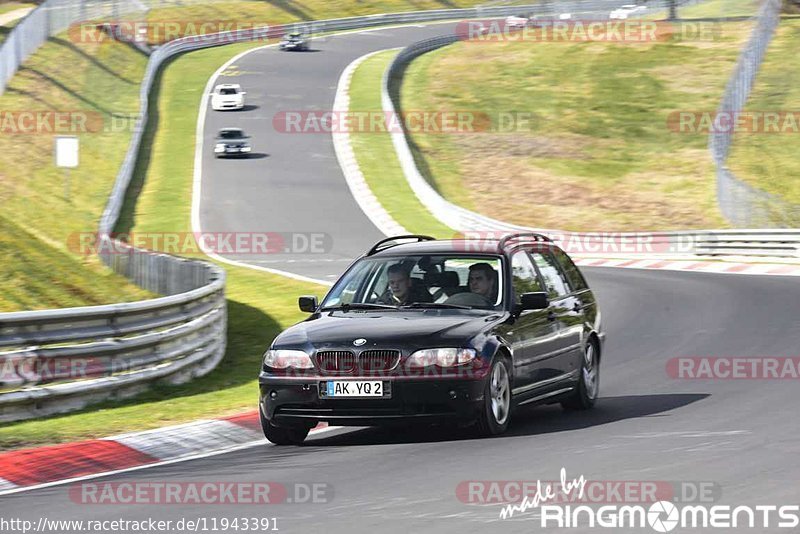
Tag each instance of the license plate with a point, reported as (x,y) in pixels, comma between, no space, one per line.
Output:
(352,388)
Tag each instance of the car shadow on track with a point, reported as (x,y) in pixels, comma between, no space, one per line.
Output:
(527,421)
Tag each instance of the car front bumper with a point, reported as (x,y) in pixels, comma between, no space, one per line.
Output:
(233,151)
(285,400)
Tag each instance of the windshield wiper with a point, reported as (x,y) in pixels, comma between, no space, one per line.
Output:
(436,305)
(360,306)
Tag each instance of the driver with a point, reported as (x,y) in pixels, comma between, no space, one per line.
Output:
(401,290)
(482,281)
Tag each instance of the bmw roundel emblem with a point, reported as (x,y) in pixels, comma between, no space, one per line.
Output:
(360,341)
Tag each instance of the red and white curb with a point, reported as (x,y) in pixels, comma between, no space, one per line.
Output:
(693,265)
(45,466)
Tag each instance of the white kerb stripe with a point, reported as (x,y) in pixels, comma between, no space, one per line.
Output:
(184,440)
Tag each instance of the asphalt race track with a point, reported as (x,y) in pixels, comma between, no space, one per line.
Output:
(292,183)
(740,435)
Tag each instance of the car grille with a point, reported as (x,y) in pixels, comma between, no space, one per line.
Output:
(368,362)
(336,361)
(371,361)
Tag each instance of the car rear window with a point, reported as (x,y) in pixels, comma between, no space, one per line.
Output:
(574,275)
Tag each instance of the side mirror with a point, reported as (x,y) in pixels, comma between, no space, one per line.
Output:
(534,301)
(308,304)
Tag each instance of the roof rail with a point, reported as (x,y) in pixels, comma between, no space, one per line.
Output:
(533,236)
(377,246)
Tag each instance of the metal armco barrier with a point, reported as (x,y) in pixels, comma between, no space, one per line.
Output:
(742,204)
(61,360)
(778,244)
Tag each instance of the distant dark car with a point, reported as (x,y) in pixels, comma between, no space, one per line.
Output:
(434,331)
(232,142)
(294,41)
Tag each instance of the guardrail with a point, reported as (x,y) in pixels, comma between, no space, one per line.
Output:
(55,361)
(61,360)
(782,244)
(741,203)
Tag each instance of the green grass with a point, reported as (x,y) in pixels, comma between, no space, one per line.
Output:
(101,81)
(770,161)
(377,158)
(104,79)
(596,153)
(280,12)
(260,305)
(720,8)
(8,7)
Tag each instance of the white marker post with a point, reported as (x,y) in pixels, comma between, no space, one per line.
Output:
(67,151)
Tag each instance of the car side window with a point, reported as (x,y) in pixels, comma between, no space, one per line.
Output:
(523,275)
(554,279)
(574,275)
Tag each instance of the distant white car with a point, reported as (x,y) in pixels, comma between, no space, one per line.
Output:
(227,96)
(623,12)
(516,22)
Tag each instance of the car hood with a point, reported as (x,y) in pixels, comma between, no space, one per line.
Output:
(404,330)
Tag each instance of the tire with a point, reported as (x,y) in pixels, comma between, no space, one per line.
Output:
(496,410)
(585,395)
(279,435)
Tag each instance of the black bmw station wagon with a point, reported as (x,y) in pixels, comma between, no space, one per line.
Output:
(426,330)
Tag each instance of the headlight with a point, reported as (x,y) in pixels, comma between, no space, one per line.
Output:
(220,146)
(441,357)
(285,359)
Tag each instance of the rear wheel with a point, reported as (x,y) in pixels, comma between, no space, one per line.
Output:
(496,411)
(585,394)
(283,435)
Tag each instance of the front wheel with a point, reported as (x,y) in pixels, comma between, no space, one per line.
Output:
(279,435)
(585,394)
(496,411)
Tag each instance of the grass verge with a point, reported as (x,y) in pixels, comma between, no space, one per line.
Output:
(87,83)
(260,305)
(769,160)
(377,158)
(590,148)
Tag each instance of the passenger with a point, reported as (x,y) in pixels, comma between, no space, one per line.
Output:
(401,289)
(482,281)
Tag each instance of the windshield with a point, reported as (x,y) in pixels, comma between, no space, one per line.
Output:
(421,281)
(231,134)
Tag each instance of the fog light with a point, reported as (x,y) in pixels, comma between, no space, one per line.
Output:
(273,394)
(453,394)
